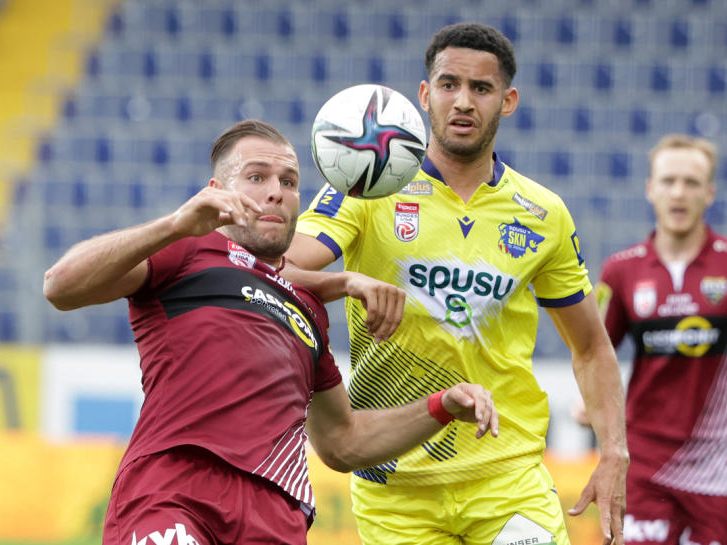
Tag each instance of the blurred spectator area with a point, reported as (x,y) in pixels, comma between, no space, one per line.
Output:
(129,137)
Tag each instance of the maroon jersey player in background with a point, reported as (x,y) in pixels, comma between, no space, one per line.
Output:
(670,294)
(234,357)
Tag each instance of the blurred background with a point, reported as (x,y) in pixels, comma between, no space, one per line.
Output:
(108,109)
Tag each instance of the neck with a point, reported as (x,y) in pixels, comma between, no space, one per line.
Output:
(673,248)
(462,175)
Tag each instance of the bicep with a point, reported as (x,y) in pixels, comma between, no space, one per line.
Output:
(329,416)
(580,326)
(309,253)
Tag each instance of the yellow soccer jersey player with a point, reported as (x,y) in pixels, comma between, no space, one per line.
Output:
(473,275)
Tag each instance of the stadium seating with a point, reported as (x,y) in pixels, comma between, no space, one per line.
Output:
(599,83)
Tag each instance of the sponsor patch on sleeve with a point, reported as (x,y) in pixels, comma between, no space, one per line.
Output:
(329,203)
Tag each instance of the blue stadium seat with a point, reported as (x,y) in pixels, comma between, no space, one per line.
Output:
(319,68)
(600,204)
(660,78)
(93,65)
(115,24)
(262,67)
(228,23)
(582,120)
(603,77)
(206,66)
(341,29)
(44,151)
(561,164)
(679,34)
(375,70)
(172,22)
(150,66)
(525,118)
(546,75)
(296,111)
(639,122)
(102,151)
(566,31)
(284,24)
(509,26)
(397,27)
(619,165)
(623,33)
(717,80)
(8,327)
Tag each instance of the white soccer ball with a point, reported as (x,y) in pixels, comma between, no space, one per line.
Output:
(368,141)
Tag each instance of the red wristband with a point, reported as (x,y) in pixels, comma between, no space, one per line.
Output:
(437,410)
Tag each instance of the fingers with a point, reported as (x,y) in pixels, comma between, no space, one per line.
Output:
(583,501)
(385,314)
(472,403)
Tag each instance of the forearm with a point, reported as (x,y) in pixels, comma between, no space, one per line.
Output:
(89,273)
(328,286)
(599,381)
(376,436)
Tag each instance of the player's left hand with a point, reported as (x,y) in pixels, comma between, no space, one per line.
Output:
(472,403)
(607,489)
(384,303)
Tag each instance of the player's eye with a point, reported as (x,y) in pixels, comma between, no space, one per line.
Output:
(289,182)
(255,178)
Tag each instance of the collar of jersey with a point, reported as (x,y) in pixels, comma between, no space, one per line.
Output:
(432,171)
(653,257)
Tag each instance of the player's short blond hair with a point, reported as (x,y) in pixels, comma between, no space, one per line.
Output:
(684,141)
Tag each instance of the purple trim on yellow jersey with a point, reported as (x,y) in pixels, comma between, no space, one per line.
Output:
(498,170)
(563,301)
(329,202)
(330,244)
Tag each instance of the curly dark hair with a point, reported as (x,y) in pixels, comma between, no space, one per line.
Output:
(474,36)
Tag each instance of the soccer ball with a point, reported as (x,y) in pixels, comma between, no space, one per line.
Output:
(368,141)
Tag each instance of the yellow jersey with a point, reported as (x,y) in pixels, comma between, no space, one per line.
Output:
(474,273)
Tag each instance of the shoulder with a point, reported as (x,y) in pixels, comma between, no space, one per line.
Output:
(530,194)
(630,254)
(719,244)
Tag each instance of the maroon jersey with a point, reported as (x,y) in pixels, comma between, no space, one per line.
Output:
(677,393)
(230,356)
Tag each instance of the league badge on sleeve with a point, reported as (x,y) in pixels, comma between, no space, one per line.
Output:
(713,288)
(239,255)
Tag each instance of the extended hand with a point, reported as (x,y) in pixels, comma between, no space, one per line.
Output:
(472,403)
(383,302)
(607,489)
(211,208)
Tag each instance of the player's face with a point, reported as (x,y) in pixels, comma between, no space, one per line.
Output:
(465,98)
(680,190)
(268,172)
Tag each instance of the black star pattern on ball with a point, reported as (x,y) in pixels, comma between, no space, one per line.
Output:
(377,138)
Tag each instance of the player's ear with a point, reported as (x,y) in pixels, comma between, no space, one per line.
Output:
(510,101)
(214,182)
(424,95)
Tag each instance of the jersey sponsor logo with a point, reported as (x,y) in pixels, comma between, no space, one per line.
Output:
(645,298)
(535,209)
(285,311)
(516,239)
(171,536)
(417,187)
(465,224)
(330,202)
(713,288)
(406,221)
(239,255)
(459,295)
(519,530)
(693,336)
(576,241)
(678,304)
(645,529)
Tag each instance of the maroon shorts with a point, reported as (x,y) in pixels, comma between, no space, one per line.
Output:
(658,514)
(189,496)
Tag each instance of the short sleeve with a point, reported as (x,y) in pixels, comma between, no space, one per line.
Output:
(164,268)
(333,219)
(563,279)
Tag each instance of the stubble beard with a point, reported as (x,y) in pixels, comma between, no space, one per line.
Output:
(259,244)
(463,150)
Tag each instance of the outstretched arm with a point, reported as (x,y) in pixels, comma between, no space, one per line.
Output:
(113,265)
(384,303)
(346,439)
(599,380)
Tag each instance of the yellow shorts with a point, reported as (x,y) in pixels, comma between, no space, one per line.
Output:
(516,508)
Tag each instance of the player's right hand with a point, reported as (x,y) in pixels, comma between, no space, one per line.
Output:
(212,208)
(384,303)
